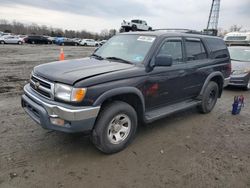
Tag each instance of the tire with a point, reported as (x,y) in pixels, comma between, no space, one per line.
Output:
(209,98)
(76,44)
(122,30)
(134,28)
(32,42)
(62,44)
(108,135)
(150,29)
(84,44)
(2,42)
(49,42)
(20,43)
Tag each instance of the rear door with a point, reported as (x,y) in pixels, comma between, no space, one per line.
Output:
(196,57)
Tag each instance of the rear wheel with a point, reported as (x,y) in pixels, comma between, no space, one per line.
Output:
(19,42)
(115,127)
(134,28)
(32,42)
(62,43)
(209,97)
(2,42)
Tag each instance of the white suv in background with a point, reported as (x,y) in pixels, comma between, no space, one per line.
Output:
(88,42)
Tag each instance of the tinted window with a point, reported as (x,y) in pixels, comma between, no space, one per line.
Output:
(173,49)
(216,44)
(195,50)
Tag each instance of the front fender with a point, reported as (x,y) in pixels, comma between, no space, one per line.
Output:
(119,91)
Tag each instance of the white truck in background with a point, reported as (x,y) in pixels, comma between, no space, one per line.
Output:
(135,25)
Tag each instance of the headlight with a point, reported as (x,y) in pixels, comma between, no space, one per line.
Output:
(69,94)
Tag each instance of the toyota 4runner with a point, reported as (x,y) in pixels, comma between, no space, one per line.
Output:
(133,78)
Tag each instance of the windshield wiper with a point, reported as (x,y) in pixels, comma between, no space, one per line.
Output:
(97,56)
(119,59)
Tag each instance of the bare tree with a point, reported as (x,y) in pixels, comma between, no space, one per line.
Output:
(235,27)
(16,27)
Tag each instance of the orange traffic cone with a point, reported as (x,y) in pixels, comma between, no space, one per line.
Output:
(61,58)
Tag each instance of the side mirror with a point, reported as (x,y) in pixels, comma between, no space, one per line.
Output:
(163,60)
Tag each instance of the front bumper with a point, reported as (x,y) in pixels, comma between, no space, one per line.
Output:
(77,119)
(239,80)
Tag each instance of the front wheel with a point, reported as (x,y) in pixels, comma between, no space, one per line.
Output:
(209,97)
(2,42)
(115,127)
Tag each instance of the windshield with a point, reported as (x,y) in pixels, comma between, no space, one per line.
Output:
(131,48)
(240,54)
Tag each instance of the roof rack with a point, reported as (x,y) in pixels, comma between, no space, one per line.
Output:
(179,30)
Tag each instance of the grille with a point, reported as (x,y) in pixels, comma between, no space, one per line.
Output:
(42,87)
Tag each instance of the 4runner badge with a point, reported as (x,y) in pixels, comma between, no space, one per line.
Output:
(37,84)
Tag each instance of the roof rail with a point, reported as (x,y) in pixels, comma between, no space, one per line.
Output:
(179,30)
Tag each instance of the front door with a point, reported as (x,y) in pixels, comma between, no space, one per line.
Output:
(165,84)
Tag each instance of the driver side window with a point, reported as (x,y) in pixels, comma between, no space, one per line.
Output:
(173,48)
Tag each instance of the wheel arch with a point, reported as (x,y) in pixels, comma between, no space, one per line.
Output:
(216,77)
(130,95)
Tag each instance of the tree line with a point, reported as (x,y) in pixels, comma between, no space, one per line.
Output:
(19,28)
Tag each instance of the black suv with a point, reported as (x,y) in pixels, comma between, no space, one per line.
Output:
(33,39)
(133,78)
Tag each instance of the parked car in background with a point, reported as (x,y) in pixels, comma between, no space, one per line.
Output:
(11,39)
(36,39)
(22,36)
(78,40)
(88,42)
(66,42)
(237,38)
(240,58)
(102,42)
(135,25)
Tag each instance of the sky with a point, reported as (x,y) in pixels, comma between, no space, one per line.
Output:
(96,15)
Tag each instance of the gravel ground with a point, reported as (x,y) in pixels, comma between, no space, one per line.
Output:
(185,150)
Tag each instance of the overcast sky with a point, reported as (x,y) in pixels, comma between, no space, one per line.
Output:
(95,15)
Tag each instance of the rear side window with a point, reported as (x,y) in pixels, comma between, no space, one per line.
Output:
(217,47)
(216,44)
(195,50)
(172,48)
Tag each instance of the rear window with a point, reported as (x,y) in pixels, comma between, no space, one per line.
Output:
(216,44)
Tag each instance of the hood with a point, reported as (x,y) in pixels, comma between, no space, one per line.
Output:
(240,65)
(71,71)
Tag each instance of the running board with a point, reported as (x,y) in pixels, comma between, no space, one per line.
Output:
(167,110)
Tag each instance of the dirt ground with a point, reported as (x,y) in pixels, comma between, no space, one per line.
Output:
(185,150)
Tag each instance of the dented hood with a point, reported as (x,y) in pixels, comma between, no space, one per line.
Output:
(71,71)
